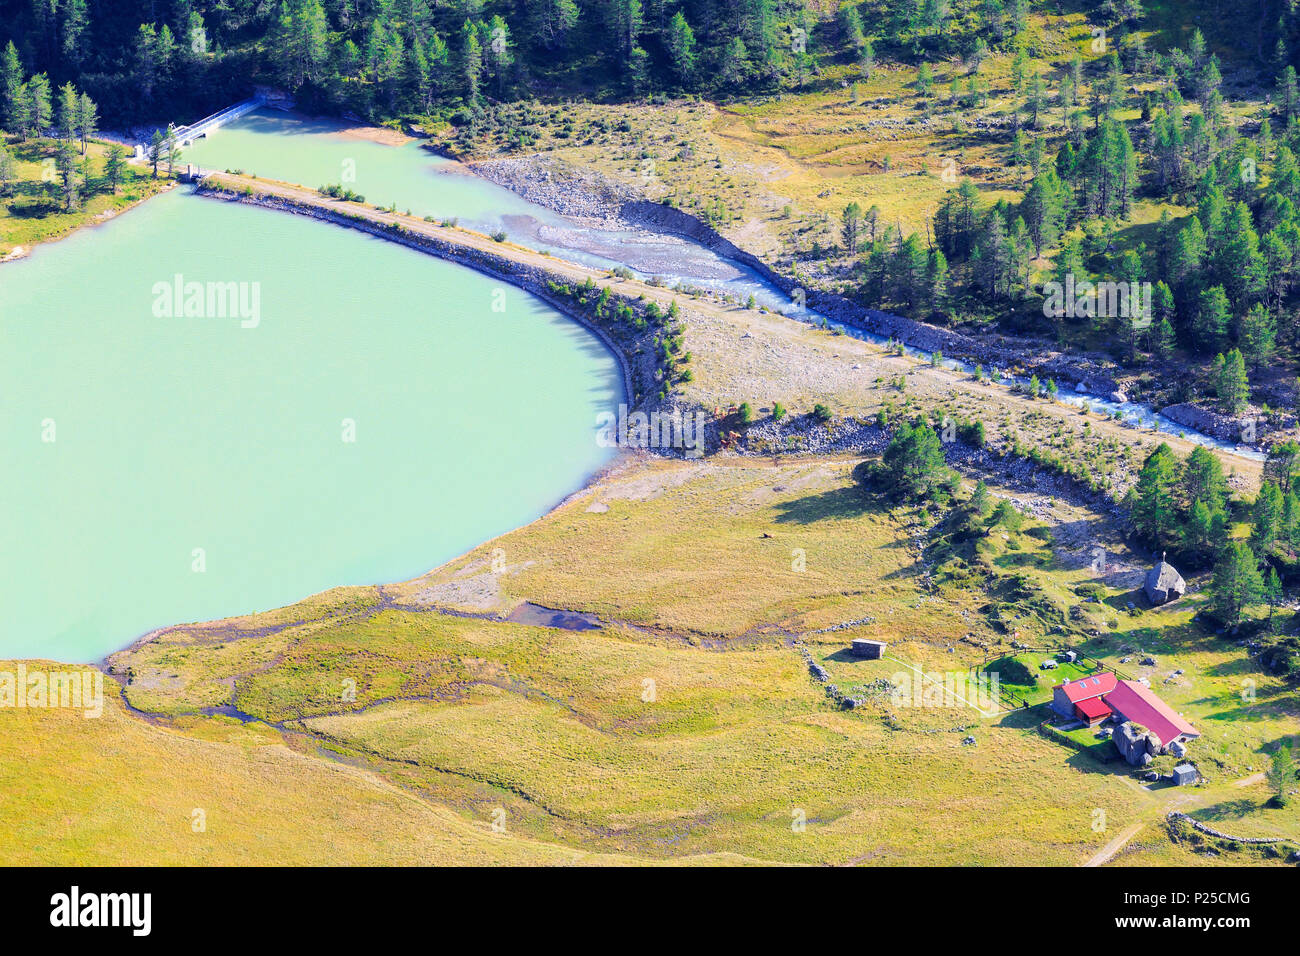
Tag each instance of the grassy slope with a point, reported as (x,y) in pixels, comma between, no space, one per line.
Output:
(552,726)
(119,791)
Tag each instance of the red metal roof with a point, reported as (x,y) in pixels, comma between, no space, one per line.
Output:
(1140,704)
(1086,687)
(1094,708)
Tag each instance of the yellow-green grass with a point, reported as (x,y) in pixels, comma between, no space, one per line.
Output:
(33,213)
(716,550)
(688,724)
(555,728)
(119,791)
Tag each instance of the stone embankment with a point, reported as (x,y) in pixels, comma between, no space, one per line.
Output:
(1210,831)
(636,359)
(1244,429)
(804,435)
(587,195)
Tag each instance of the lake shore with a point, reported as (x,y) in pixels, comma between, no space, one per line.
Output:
(86,218)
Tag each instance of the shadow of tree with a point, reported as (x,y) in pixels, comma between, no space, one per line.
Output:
(1228,810)
(837,503)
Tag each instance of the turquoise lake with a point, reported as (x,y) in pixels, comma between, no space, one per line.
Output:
(318,152)
(378,418)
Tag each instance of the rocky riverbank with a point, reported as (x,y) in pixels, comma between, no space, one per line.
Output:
(1246,429)
(590,197)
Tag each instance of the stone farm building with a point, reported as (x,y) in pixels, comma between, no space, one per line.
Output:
(863,647)
(1145,724)
(1139,704)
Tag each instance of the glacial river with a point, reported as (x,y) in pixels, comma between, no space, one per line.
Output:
(316,152)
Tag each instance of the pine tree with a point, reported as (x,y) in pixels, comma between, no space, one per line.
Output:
(681,47)
(499,50)
(909,272)
(87,120)
(471,62)
(8,171)
(554,19)
(171,149)
(1272,591)
(1210,323)
(1198,530)
(39,108)
(302,38)
(1034,100)
(114,165)
(924,80)
(626,18)
(1282,464)
(1231,385)
(1281,775)
(850,226)
(155,151)
(1043,210)
(1257,334)
(735,63)
(1288,97)
(75,33)
(937,278)
(850,26)
(1238,263)
(1153,507)
(1266,518)
(68,104)
(1162,328)
(913,463)
(1203,479)
(65,162)
(1236,585)
(146,61)
(11,88)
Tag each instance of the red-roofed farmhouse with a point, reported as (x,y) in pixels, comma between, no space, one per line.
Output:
(1082,699)
(1138,703)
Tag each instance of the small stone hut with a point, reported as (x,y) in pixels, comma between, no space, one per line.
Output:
(871,650)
